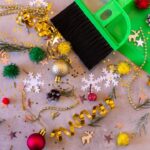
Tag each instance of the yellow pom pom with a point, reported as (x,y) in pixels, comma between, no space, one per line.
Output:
(123,68)
(123,139)
(64,48)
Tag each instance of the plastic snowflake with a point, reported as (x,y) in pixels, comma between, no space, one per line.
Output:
(109,77)
(38,3)
(33,83)
(91,82)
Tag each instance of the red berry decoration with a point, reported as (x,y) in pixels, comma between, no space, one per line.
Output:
(5,101)
(142,4)
(36,141)
(92,97)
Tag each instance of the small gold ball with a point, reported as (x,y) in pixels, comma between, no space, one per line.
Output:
(60,68)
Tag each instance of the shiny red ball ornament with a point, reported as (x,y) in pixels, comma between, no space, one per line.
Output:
(92,97)
(5,101)
(142,4)
(36,141)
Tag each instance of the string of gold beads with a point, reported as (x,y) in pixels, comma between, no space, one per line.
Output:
(129,87)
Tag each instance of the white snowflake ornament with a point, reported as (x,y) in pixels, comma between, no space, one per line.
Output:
(91,82)
(33,83)
(38,3)
(109,78)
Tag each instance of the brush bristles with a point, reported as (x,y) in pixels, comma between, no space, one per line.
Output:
(87,42)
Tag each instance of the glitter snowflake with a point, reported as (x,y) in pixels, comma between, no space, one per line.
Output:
(91,82)
(109,77)
(33,83)
(38,3)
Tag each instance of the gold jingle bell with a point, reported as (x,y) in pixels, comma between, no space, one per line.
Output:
(60,69)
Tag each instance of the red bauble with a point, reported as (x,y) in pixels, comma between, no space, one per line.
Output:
(5,101)
(142,4)
(36,141)
(92,97)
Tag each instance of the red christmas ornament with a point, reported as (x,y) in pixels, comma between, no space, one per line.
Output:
(5,101)
(142,4)
(92,97)
(36,141)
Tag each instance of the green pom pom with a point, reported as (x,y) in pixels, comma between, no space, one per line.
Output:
(37,54)
(11,71)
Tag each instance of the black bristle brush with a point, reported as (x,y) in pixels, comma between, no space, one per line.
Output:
(87,31)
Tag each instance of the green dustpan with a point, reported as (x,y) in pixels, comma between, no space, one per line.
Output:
(114,19)
(137,19)
(109,18)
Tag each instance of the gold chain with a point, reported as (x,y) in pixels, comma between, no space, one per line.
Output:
(14,9)
(55,109)
(135,106)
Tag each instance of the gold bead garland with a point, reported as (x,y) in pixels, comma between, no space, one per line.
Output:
(79,119)
(135,106)
(54,109)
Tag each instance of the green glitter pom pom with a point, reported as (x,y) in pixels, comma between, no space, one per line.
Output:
(11,71)
(37,54)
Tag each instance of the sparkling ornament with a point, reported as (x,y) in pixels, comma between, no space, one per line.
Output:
(53,95)
(92,97)
(64,48)
(123,139)
(60,68)
(123,68)
(5,101)
(36,141)
(142,4)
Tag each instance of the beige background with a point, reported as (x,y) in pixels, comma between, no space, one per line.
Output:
(14,115)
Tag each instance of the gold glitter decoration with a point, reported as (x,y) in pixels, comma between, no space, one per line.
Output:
(79,121)
(64,48)
(123,68)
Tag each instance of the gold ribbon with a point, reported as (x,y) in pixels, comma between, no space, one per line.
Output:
(79,119)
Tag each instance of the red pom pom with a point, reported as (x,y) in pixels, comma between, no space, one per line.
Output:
(5,101)
(92,97)
(36,141)
(142,4)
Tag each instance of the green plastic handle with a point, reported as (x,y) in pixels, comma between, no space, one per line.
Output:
(101,24)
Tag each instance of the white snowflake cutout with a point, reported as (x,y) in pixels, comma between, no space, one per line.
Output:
(109,77)
(38,3)
(91,82)
(33,83)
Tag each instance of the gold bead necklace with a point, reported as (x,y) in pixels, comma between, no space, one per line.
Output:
(129,88)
